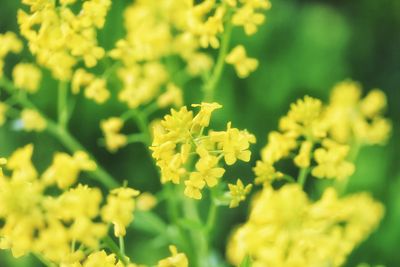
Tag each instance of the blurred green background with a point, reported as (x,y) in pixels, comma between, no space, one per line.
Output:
(304,48)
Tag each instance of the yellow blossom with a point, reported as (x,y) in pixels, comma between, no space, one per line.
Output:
(27,77)
(32,120)
(9,42)
(243,65)
(111,128)
(302,160)
(331,161)
(97,91)
(238,192)
(309,233)
(175,260)
(119,209)
(173,96)
(247,17)
(146,201)
(234,143)
(21,165)
(265,173)
(65,169)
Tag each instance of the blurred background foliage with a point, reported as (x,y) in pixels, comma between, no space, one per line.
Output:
(305,47)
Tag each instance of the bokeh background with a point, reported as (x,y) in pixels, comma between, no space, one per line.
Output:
(305,47)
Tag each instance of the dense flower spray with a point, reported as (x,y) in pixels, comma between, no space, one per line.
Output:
(73,213)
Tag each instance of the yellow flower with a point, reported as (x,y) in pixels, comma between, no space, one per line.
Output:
(81,78)
(238,192)
(234,143)
(32,120)
(181,137)
(27,77)
(206,109)
(176,260)
(100,258)
(248,18)
(119,209)
(97,90)
(243,65)
(302,160)
(59,37)
(265,173)
(356,119)
(111,129)
(65,169)
(146,201)
(21,164)
(285,228)
(79,202)
(173,96)
(9,42)
(305,118)
(331,161)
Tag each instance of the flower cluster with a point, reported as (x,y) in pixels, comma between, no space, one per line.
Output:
(324,137)
(59,35)
(159,32)
(286,229)
(9,43)
(183,138)
(77,216)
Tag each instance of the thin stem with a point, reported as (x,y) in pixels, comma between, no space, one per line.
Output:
(136,138)
(301,179)
(62,104)
(114,248)
(212,82)
(63,136)
(122,245)
(73,145)
(199,239)
(212,216)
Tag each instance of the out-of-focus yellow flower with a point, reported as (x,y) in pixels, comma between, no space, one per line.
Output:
(265,173)
(97,90)
(331,161)
(243,65)
(119,209)
(171,97)
(60,37)
(175,260)
(27,77)
(111,128)
(21,165)
(238,192)
(353,119)
(65,169)
(146,201)
(302,160)
(32,120)
(286,229)
(9,42)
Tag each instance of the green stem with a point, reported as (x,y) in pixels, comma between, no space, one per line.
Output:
(136,138)
(73,145)
(122,245)
(301,179)
(62,135)
(199,239)
(212,216)
(62,104)
(114,249)
(212,82)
